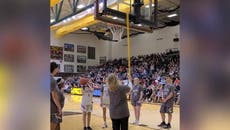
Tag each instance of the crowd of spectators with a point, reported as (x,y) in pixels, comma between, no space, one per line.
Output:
(150,69)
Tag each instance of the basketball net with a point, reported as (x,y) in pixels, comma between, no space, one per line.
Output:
(117,32)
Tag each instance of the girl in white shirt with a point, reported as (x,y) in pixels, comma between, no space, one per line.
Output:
(87,104)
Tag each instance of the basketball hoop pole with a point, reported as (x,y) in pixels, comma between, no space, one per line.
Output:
(128,42)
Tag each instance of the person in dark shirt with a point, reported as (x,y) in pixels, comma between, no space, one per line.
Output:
(60,92)
(55,106)
(118,108)
(61,86)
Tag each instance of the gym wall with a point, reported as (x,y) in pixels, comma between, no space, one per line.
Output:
(101,48)
(147,43)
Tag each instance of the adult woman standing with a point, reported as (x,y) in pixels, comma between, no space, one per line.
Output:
(119,112)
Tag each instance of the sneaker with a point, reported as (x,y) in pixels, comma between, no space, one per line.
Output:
(89,128)
(104,126)
(137,123)
(167,126)
(162,124)
(134,123)
(85,128)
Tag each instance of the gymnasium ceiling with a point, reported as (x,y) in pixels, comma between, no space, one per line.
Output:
(65,25)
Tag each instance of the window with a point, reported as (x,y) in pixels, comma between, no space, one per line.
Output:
(91,52)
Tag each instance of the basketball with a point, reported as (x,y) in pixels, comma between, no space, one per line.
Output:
(83,81)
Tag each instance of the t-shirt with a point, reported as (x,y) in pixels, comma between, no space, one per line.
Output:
(118,107)
(167,89)
(136,93)
(105,91)
(61,98)
(87,96)
(177,82)
(53,88)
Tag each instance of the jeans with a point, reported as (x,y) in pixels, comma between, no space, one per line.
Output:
(120,124)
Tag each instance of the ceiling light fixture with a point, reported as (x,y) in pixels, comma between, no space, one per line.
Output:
(114,17)
(52,20)
(85,28)
(147,6)
(80,6)
(89,10)
(172,15)
(69,19)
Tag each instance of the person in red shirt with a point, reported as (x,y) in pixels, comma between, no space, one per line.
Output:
(176,82)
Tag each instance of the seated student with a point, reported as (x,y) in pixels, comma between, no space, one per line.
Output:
(149,94)
(159,93)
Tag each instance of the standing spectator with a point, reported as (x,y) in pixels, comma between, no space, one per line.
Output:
(153,96)
(118,107)
(55,105)
(61,86)
(136,99)
(177,90)
(104,101)
(167,104)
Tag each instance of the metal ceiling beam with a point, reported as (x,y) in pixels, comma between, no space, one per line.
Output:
(174,3)
(58,10)
(75,5)
(150,10)
(72,14)
(71,2)
(52,11)
(68,28)
(155,13)
(117,22)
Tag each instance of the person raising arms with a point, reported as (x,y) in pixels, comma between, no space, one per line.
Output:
(118,108)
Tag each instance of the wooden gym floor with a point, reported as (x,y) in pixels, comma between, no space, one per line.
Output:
(149,119)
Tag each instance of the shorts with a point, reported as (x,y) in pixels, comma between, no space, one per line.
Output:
(135,103)
(87,108)
(166,108)
(54,118)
